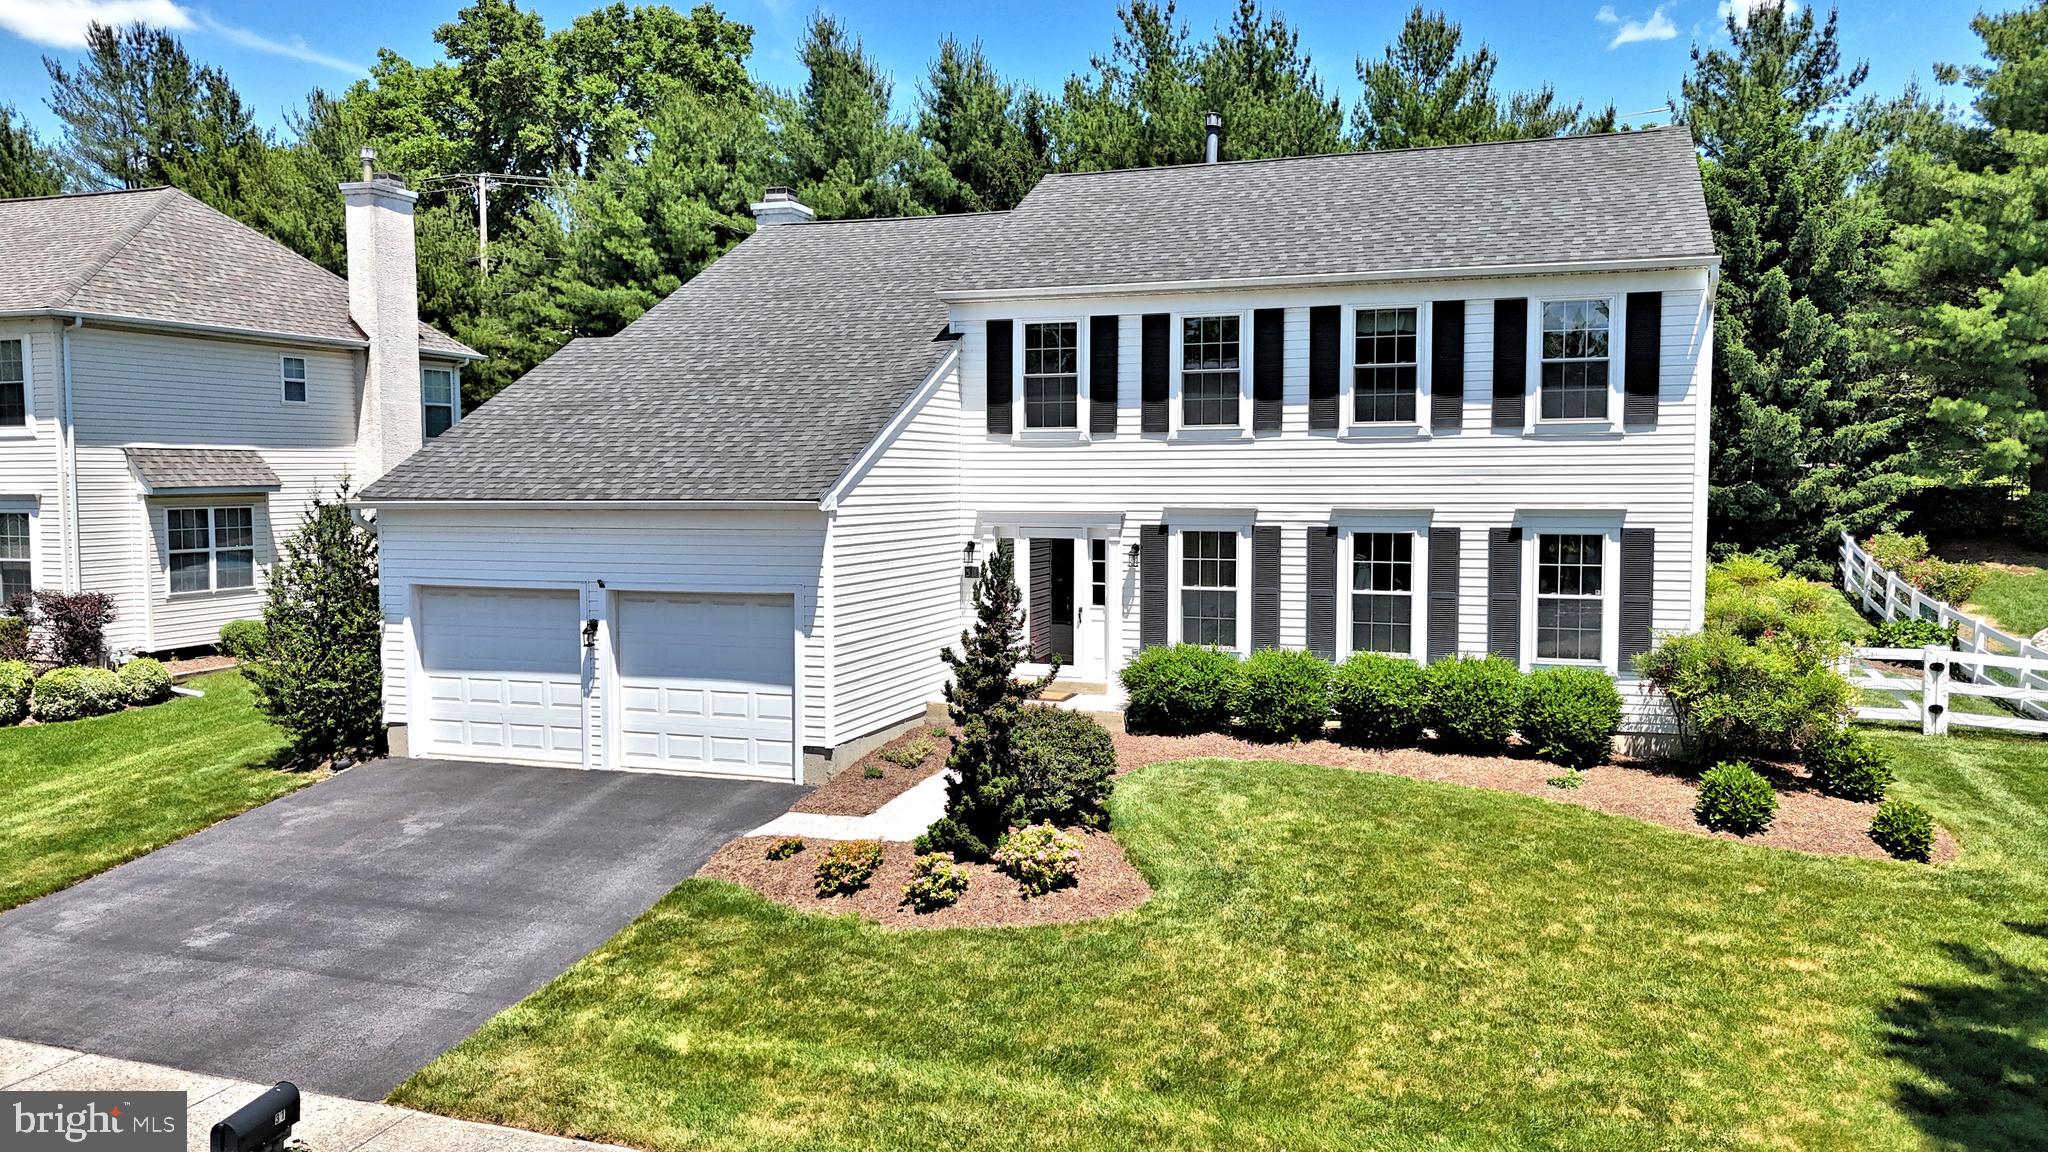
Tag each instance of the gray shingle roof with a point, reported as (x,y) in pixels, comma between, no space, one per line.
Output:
(760,379)
(200,469)
(1624,196)
(158,254)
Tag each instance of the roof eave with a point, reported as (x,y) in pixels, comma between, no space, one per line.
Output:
(368,500)
(264,335)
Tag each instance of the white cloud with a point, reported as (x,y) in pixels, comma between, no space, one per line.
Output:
(1606,15)
(62,23)
(1657,27)
(1741,9)
(296,48)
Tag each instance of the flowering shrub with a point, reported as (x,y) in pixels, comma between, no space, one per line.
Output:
(935,882)
(848,867)
(1908,556)
(1040,858)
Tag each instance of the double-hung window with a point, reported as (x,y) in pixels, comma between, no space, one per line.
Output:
(1570,613)
(293,370)
(1383,592)
(13,385)
(1209,381)
(1383,366)
(1052,375)
(16,569)
(1575,359)
(212,549)
(437,391)
(1208,588)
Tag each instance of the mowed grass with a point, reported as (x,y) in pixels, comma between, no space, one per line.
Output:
(80,797)
(1340,960)
(2017,601)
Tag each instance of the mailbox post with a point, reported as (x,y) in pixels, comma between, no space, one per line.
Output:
(261,1125)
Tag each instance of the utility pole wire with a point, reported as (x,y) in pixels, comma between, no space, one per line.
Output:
(479,185)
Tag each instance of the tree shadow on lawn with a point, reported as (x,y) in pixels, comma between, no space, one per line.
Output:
(1979,1048)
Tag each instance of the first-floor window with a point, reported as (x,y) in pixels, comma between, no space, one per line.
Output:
(1098,572)
(15,570)
(1208,588)
(1209,371)
(13,385)
(1052,376)
(212,548)
(437,388)
(1569,612)
(1382,592)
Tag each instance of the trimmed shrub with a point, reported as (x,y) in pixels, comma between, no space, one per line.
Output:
(1570,715)
(1182,689)
(17,684)
(1281,694)
(908,754)
(1039,857)
(74,693)
(935,883)
(1737,698)
(784,848)
(145,681)
(1844,763)
(2030,520)
(14,646)
(1733,798)
(1904,829)
(1380,700)
(872,772)
(848,867)
(1913,632)
(1066,765)
(321,675)
(1750,597)
(245,640)
(1475,704)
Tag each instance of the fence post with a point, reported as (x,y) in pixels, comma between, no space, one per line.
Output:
(1934,690)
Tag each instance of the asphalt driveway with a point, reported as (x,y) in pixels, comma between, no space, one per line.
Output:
(343,936)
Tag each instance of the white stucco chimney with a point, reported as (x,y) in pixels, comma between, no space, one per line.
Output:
(780,206)
(383,296)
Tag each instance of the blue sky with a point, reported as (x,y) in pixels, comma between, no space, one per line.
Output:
(1629,52)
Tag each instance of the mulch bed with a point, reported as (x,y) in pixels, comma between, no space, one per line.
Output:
(852,793)
(1106,885)
(199,665)
(1650,790)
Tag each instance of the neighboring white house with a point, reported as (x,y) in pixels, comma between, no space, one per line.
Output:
(175,387)
(1427,402)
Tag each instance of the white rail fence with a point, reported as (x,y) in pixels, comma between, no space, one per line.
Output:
(1985,664)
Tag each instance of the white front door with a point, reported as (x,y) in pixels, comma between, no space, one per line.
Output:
(504,674)
(1091,634)
(707,683)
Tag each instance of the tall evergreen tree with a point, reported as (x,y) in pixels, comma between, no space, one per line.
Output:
(1426,91)
(26,167)
(1803,446)
(1255,74)
(844,153)
(1140,108)
(986,137)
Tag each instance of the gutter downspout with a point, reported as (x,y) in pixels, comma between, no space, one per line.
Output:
(68,426)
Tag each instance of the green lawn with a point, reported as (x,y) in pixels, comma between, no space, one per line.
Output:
(1339,960)
(2017,601)
(81,797)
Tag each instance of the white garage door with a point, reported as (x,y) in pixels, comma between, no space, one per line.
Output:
(707,683)
(504,672)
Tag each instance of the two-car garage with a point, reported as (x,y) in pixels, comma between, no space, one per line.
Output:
(671,681)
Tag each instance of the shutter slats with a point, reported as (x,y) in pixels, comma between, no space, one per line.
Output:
(1322,592)
(1444,562)
(1504,592)
(1447,366)
(1152,586)
(1325,337)
(1269,367)
(1102,354)
(1642,359)
(1510,363)
(1040,614)
(1638,584)
(1155,385)
(1265,587)
(1000,386)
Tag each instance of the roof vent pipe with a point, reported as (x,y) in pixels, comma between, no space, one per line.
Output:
(1212,125)
(369,158)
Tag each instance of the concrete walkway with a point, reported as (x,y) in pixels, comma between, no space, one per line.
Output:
(326,1123)
(904,818)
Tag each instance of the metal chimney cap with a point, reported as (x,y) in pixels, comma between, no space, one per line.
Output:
(369,158)
(1212,120)
(778,192)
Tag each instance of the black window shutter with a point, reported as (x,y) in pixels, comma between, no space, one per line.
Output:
(1325,337)
(1322,592)
(1102,334)
(1638,581)
(1444,560)
(1152,585)
(999,384)
(1039,616)
(1265,587)
(1643,364)
(1447,366)
(1510,362)
(1504,592)
(1154,384)
(1269,367)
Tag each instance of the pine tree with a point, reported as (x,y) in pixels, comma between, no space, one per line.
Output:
(26,167)
(1266,88)
(322,677)
(845,155)
(986,149)
(984,700)
(1426,92)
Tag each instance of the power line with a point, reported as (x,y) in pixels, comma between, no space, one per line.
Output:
(479,185)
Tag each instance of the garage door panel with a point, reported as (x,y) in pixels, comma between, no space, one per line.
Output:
(707,683)
(504,672)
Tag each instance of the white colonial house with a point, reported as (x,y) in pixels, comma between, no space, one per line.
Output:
(175,387)
(1424,402)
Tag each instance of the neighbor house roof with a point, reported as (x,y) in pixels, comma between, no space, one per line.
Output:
(159,256)
(1626,196)
(165,470)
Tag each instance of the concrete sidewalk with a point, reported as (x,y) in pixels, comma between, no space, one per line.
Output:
(904,818)
(326,1123)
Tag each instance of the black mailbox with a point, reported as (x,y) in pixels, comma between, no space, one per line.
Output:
(261,1125)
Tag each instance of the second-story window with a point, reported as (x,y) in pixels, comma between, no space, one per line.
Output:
(1209,371)
(293,369)
(13,385)
(1575,339)
(437,391)
(1383,389)
(1052,375)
